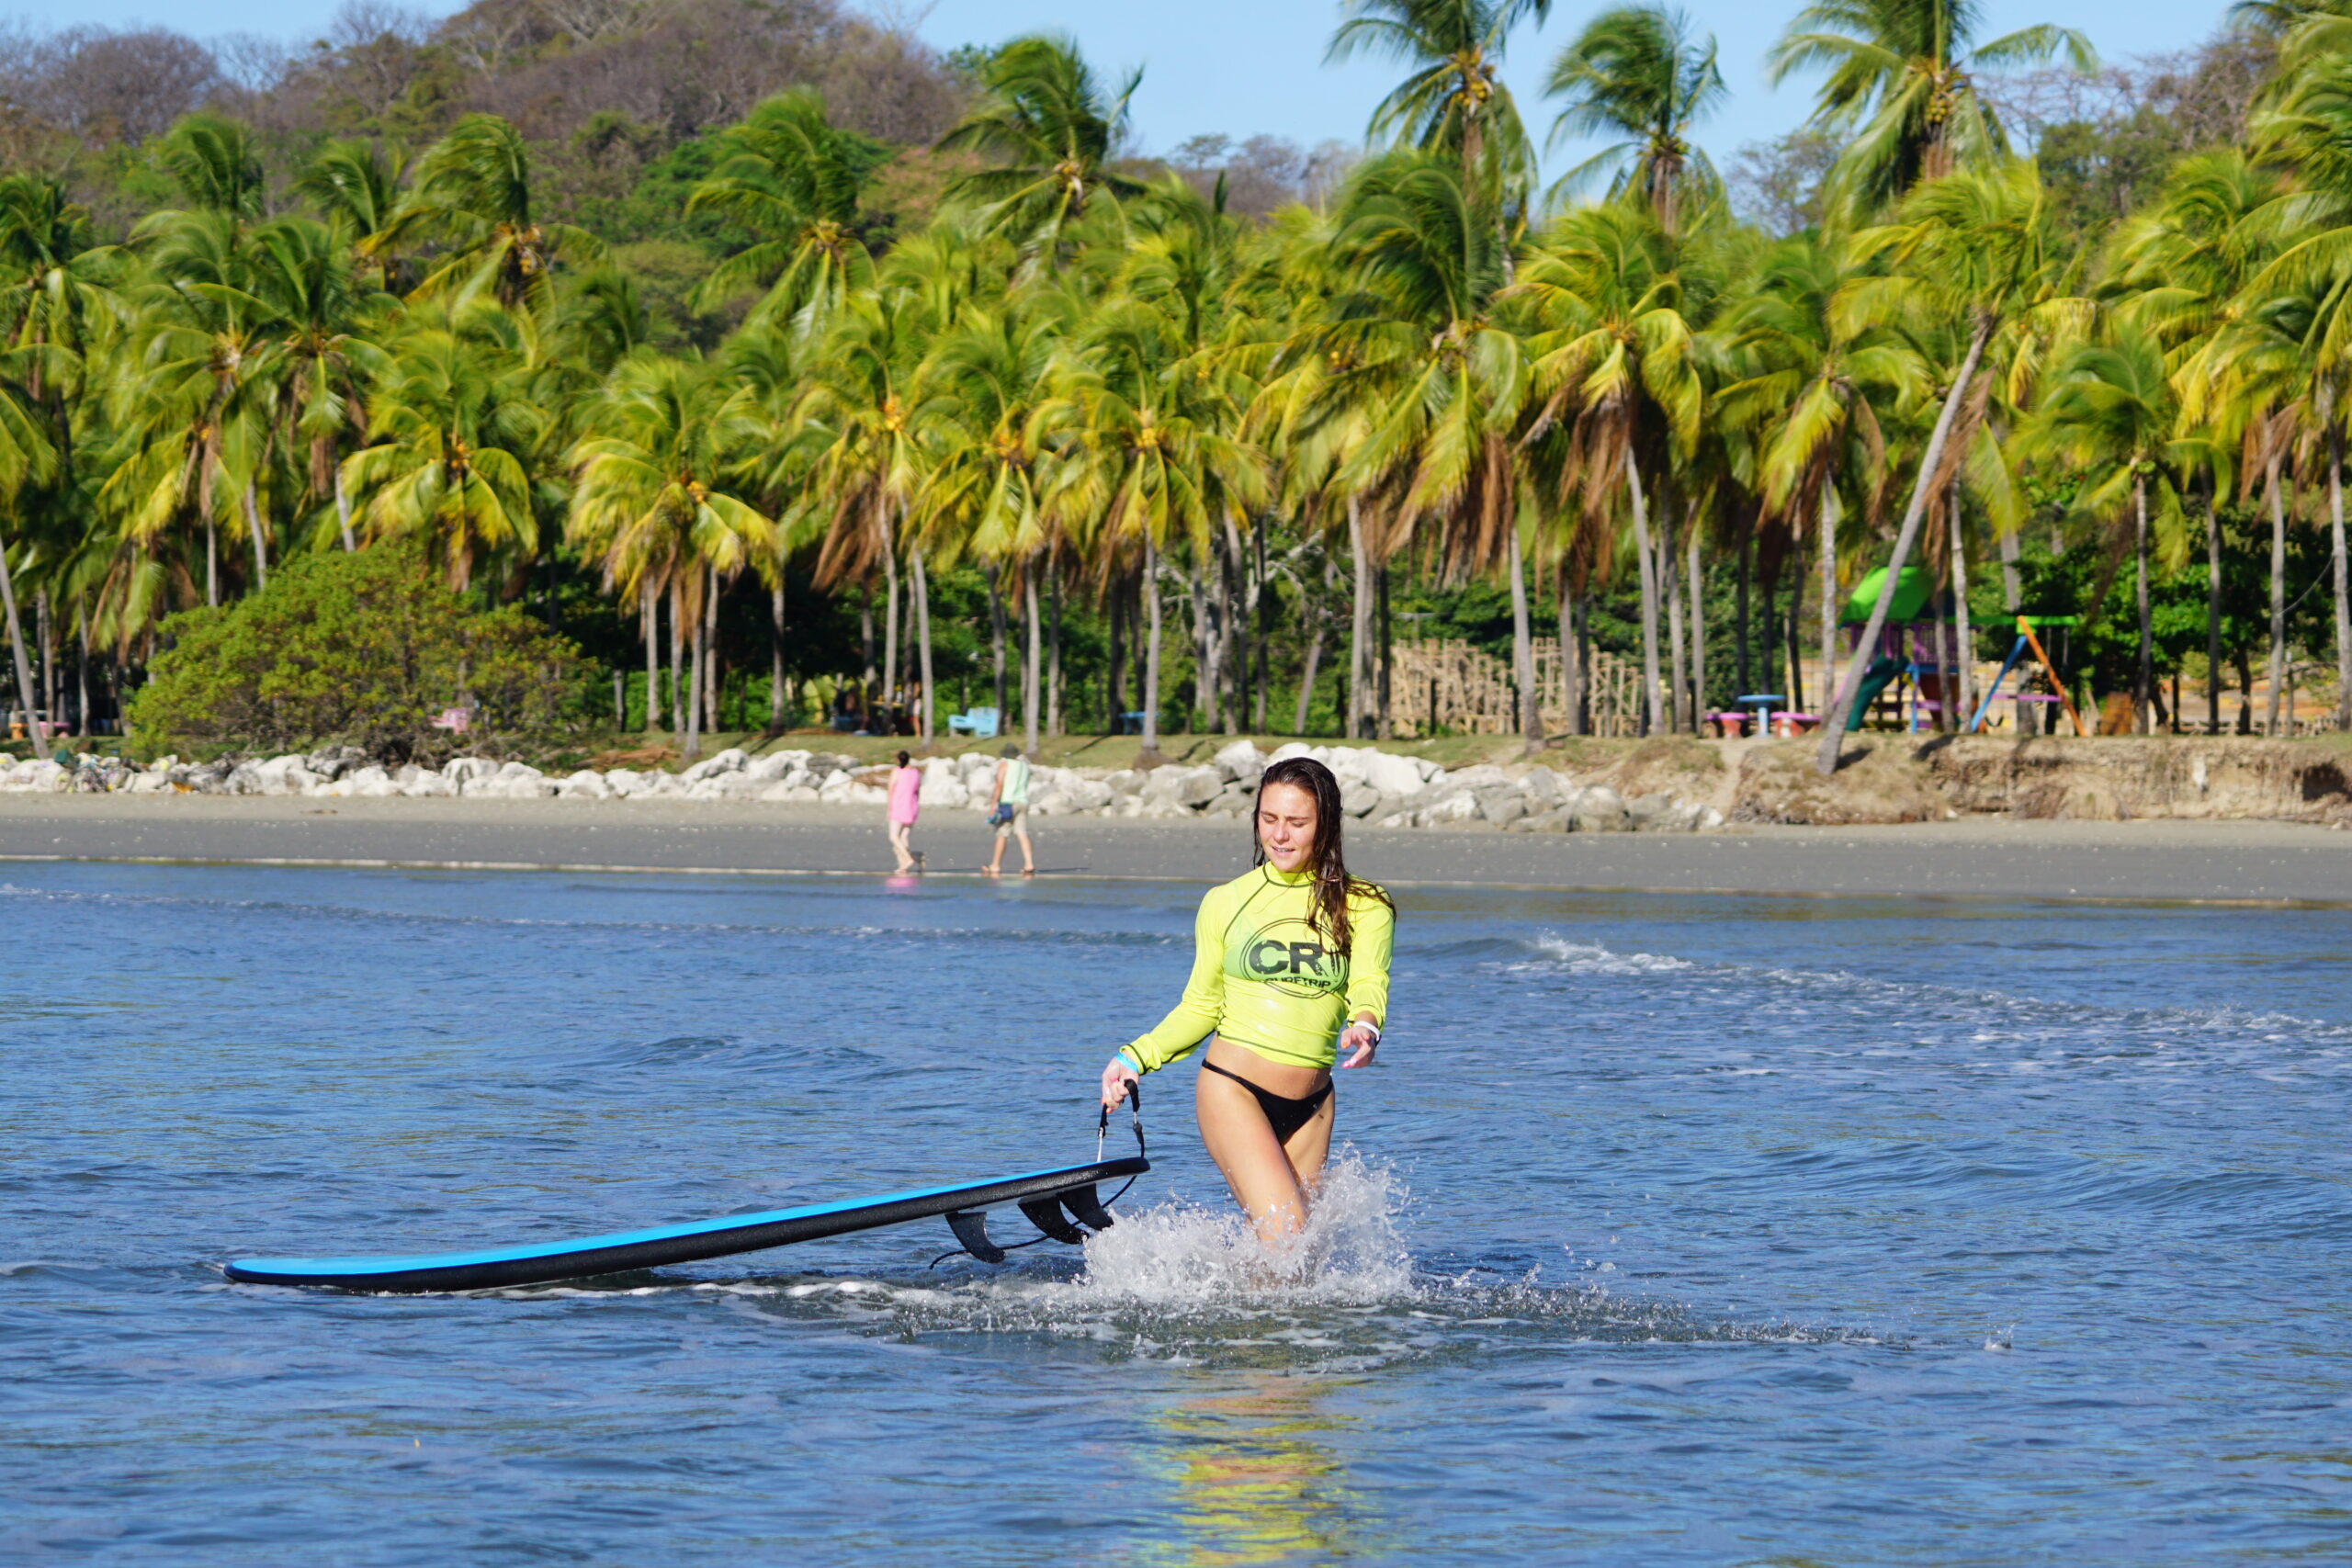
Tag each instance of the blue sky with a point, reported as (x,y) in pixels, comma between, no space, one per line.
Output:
(1241,67)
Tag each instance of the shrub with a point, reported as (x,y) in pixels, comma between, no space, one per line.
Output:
(364,649)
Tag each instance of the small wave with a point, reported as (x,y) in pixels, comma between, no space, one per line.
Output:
(1557,955)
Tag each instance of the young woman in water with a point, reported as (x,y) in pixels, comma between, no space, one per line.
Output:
(1290,975)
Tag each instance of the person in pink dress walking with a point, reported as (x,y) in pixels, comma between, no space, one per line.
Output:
(905,805)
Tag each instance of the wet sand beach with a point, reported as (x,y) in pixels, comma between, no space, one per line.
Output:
(1972,857)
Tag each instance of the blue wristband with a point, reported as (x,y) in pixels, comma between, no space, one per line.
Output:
(1129,1060)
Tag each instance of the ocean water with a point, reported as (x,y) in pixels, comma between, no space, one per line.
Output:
(1669,1230)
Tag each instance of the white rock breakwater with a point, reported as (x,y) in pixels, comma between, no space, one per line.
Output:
(1378,788)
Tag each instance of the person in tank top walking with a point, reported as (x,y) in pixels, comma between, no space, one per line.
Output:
(1008,812)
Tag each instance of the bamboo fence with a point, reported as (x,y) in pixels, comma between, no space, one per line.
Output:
(1452,687)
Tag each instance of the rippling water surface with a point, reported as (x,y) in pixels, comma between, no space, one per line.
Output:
(1675,1231)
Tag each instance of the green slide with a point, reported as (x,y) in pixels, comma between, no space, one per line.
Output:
(1876,679)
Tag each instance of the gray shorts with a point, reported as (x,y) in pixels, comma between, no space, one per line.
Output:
(1015,823)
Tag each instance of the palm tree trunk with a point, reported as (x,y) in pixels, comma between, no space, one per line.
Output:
(890,627)
(2277,600)
(1316,627)
(1359,632)
(1697,581)
(996,646)
(1236,578)
(649,621)
(17,643)
(2143,676)
(1261,606)
(1825,552)
(45,639)
(2213,616)
(679,717)
(1669,587)
(2342,583)
(1032,666)
(713,680)
(81,666)
(1966,653)
(1833,723)
(1740,666)
(1572,667)
(776,652)
(211,563)
(343,511)
(1150,589)
(1054,649)
(692,747)
(1115,666)
(261,547)
(927,716)
(1384,728)
(1522,652)
(1653,693)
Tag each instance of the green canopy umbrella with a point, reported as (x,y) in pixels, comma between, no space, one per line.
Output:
(1913,590)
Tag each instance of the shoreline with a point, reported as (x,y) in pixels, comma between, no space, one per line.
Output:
(2263,863)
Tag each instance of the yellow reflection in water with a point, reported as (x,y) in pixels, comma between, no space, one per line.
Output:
(1258,1476)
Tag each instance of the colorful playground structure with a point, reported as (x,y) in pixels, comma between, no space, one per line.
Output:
(1916,666)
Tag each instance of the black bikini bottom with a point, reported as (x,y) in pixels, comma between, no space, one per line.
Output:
(1284,1114)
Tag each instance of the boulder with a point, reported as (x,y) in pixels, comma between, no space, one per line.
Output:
(940,787)
(462,770)
(730,760)
(1455,806)
(585,784)
(1357,799)
(1241,762)
(1125,782)
(1552,821)
(1188,788)
(426,785)
(1597,809)
(784,792)
(1087,794)
(778,765)
(1501,805)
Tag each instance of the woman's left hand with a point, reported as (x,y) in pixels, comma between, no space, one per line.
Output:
(1357,1043)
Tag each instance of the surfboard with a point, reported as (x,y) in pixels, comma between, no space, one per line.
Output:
(1051,1198)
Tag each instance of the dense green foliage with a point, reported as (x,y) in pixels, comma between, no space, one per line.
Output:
(364,649)
(907,374)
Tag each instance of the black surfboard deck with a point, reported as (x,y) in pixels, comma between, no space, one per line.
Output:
(664,1245)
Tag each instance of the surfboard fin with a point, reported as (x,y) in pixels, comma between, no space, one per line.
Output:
(1087,1209)
(971,1228)
(1046,1215)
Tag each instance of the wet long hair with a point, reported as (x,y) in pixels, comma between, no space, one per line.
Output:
(1324,860)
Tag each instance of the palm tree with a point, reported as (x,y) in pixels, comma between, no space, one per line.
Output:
(1901,80)
(214,161)
(2180,272)
(473,194)
(1638,75)
(856,418)
(2106,409)
(49,287)
(26,457)
(192,418)
(452,435)
(1615,364)
(1454,101)
(1442,380)
(1820,393)
(322,356)
(1048,130)
(356,186)
(657,500)
(1977,247)
(986,413)
(788,176)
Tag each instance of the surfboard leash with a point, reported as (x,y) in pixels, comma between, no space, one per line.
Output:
(1102,1130)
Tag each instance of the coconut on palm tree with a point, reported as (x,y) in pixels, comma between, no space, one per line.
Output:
(1902,83)
(1639,78)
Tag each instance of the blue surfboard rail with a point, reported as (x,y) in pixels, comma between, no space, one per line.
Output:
(662,1246)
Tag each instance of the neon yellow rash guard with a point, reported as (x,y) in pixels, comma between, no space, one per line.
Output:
(1262,977)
